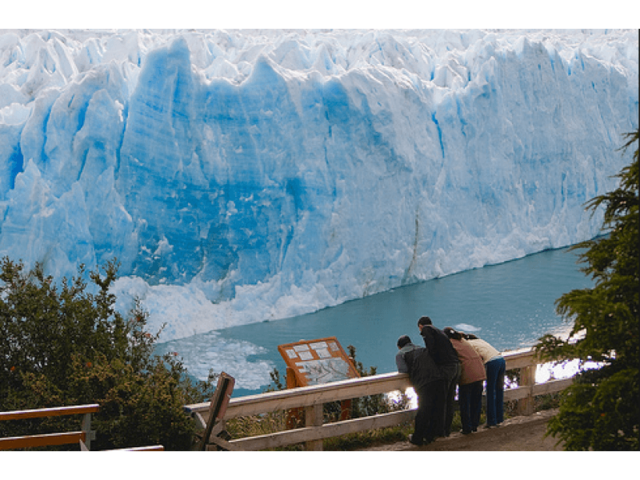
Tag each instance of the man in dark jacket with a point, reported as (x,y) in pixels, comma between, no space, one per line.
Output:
(428,384)
(446,359)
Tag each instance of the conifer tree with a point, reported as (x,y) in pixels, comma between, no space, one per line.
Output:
(600,411)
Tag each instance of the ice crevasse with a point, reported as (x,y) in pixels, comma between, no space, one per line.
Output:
(240,176)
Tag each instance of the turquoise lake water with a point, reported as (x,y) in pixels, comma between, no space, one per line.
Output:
(510,305)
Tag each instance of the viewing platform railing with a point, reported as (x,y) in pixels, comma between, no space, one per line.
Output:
(312,399)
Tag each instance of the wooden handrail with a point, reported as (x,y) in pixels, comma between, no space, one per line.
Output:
(83,437)
(49,412)
(308,396)
(313,397)
(44,440)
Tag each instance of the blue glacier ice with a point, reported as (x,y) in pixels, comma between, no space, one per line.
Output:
(240,176)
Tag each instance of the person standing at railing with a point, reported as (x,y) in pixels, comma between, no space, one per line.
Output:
(495,367)
(446,358)
(429,386)
(470,382)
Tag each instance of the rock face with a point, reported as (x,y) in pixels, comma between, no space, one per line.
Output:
(242,176)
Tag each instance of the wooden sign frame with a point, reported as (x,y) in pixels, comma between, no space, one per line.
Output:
(318,361)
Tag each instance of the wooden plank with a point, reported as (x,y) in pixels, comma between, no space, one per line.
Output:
(519,359)
(552,386)
(517,393)
(556,386)
(319,395)
(217,406)
(152,448)
(312,395)
(10,443)
(217,441)
(225,384)
(301,435)
(49,412)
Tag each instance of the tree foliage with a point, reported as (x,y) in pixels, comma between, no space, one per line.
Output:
(62,345)
(600,411)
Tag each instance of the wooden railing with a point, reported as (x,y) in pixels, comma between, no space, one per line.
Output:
(312,398)
(83,437)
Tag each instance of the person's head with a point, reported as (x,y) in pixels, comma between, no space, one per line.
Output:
(453,333)
(424,321)
(403,340)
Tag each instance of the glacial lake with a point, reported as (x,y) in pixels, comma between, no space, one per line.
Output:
(510,305)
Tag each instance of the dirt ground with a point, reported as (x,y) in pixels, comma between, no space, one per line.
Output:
(514,434)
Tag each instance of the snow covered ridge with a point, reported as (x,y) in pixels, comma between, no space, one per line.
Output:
(245,175)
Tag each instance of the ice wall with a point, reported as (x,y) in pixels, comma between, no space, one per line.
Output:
(240,176)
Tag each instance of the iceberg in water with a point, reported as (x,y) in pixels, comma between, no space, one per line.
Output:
(242,176)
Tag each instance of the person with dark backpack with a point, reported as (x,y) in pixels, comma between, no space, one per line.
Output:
(429,386)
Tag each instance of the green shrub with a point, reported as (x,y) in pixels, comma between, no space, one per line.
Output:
(64,344)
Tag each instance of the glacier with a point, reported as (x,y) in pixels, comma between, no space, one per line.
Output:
(248,175)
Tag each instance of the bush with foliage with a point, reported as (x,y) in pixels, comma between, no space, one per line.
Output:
(600,411)
(63,345)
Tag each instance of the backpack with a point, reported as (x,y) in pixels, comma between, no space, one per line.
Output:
(422,368)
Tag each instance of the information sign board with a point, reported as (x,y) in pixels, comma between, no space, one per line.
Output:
(319,361)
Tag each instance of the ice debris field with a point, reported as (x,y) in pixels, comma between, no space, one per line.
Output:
(240,176)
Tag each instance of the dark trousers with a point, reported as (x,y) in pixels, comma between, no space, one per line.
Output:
(429,418)
(495,390)
(470,397)
(434,419)
(449,403)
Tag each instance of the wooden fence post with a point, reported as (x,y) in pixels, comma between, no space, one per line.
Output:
(313,418)
(86,427)
(527,380)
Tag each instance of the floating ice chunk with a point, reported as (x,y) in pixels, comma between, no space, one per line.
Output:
(465,327)
(209,351)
